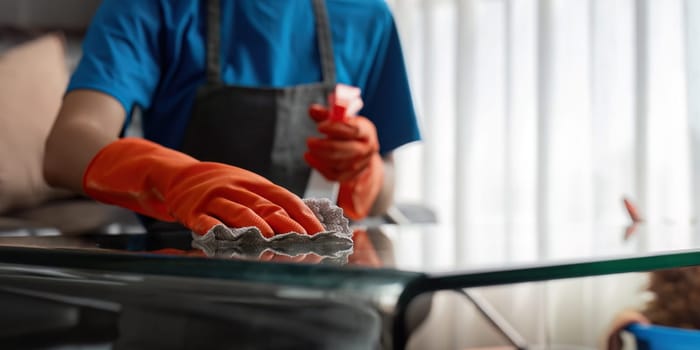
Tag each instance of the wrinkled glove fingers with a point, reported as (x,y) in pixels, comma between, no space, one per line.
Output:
(295,209)
(202,224)
(335,150)
(233,214)
(271,203)
(338,171)
(357,128)
(339,130)
(354,170)
(338,166)
(322,167)
(318,113)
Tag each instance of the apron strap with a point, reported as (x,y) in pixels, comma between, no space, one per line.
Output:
(323,33)
(325,42)
(213,42)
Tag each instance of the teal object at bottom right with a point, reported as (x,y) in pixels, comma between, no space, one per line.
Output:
(653,337)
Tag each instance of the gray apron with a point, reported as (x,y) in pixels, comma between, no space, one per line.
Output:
(263,130)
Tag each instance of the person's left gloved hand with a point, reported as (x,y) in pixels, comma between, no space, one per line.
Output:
(349,154)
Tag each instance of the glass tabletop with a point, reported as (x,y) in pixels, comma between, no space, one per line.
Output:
(388,265)
(571,252)
(383,255)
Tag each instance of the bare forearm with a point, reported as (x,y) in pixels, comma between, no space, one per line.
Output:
(87,121)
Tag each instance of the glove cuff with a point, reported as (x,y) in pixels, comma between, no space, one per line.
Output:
(134,173)
(357,196)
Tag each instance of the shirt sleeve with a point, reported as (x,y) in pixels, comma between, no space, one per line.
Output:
(387,97)
(121,55)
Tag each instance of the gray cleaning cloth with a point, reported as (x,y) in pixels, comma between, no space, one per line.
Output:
(334,244)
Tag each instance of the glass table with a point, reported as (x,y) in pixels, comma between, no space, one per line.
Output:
(163,270)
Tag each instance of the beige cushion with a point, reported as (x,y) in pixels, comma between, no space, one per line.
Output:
(33,79)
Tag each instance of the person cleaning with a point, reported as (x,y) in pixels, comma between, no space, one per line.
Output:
(233,98)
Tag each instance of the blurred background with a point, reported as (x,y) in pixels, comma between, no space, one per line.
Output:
(538,118)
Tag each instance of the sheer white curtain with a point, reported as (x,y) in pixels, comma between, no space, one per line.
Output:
(539,116)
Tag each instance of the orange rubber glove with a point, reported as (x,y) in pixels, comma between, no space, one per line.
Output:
(170,186)
(349,154)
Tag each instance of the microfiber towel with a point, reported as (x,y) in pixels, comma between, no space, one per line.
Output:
(335,243)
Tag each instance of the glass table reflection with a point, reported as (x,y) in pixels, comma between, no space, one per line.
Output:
(378,271)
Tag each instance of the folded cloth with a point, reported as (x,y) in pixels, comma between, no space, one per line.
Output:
(335,243)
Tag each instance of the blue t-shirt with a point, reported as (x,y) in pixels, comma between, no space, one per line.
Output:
(151,54)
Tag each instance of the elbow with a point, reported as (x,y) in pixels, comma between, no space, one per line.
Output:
(61,167)
(51,168)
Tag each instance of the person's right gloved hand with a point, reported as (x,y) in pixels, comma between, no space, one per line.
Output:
(348,153)
(170,186)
